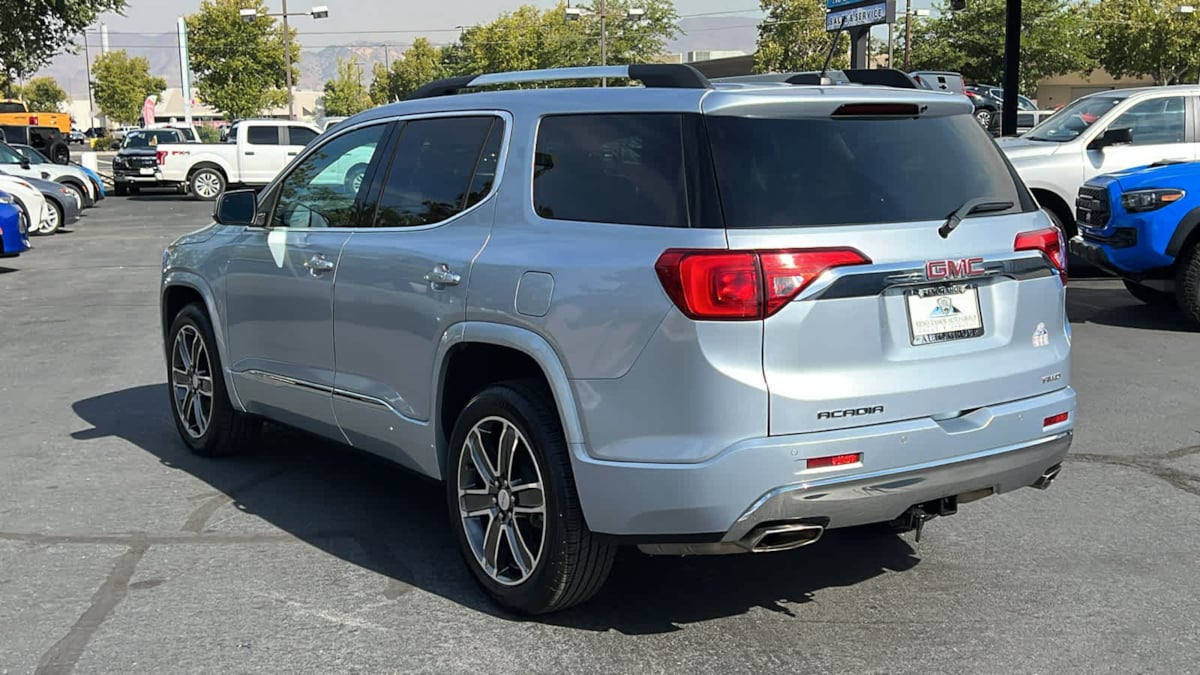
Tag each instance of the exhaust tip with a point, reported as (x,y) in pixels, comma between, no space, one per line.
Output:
(1048,477)
(783,537)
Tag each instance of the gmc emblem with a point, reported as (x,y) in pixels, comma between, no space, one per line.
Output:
(936,270)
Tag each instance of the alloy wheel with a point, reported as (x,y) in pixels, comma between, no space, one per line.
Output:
(501,501)
(208,185)
(192,381)
(53,220)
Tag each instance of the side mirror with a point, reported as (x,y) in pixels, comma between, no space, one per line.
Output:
(1112,137)
(25,163)
(237,207)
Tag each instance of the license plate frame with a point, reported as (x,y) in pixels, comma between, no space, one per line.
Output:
(146,171)
(964,300)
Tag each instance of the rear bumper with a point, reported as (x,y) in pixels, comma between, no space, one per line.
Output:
(990,451)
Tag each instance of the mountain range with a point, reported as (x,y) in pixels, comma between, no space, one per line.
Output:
(319,64)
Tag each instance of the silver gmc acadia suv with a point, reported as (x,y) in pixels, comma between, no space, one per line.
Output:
(694,316)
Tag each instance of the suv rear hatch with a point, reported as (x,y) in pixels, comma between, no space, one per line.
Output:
(874,310)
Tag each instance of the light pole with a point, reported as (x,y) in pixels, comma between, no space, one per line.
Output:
(631,14)
(322,12)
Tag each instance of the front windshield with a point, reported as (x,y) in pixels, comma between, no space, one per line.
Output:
(1067,124)
(149,139)
(9,156)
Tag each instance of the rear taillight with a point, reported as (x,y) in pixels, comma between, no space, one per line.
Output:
(1055,419)
(160,157)
(1048,241)
(717,285)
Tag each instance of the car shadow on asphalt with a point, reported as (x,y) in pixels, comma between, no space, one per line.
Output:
(1116,307)
(171,196)
(373,514)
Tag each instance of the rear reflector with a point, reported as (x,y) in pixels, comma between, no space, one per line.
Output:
(1050,242)
(834,460)
(1055,419)
(716,285)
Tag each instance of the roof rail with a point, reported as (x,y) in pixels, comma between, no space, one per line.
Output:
(887,77)
(657,75)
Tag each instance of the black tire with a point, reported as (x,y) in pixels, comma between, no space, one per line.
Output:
(228,431)
(80,192)
(572,565)
(354,176)
(60,153)
(1187,283)
(59,213)
(1149,295)
(23,216)
(206,184)
(120,190)
(135,189)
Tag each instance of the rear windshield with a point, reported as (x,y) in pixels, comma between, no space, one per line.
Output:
(812,172)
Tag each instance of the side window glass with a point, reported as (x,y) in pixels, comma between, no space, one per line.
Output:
(262,135)
(611,168)
(485,170)
(1155,122)
(433,171)
(300,135)
(322,189)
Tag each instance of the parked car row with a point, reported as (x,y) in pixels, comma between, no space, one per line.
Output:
(40,197)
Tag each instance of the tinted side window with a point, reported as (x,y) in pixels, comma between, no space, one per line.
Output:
(321,191)
(433,170)
(611,168)
(813,172)
(1154,122)
(262,135)
(300,135)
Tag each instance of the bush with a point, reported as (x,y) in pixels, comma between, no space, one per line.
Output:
(208,134)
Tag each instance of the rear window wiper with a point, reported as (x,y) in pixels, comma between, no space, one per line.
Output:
(973,206)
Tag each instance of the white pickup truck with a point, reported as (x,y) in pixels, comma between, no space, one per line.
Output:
(256,151)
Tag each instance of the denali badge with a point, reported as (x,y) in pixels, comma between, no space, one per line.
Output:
(852,412)
(938,270)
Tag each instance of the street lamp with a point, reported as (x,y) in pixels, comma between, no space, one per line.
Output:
(320,12)
(576,13)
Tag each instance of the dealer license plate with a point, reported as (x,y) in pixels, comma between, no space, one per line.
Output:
(943,313)
(146,171)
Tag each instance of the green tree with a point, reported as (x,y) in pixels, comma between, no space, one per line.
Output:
(346,94)
(34,31)
(240,67)
(121,85)
(792,37)
(1055,38)
(1145,38)
(530,38)
(419,65)
(42,94)
(380,90)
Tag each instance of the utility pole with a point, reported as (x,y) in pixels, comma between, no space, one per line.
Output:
(908,17)
(287,53)
(891,45)
(603,39)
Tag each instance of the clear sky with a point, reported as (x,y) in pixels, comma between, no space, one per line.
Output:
(357,20)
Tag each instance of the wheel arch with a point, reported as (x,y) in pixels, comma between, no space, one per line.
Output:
(180,290)
(1053,202)
(208,164)
(1187,234)
(473,355)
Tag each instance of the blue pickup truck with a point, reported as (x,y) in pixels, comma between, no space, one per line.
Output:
(1143,225)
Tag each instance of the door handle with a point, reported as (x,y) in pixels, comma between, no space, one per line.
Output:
(292,154)
(442,276)
(249,153)
(318,265)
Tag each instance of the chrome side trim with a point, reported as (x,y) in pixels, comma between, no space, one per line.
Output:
(290,381)
(378,402)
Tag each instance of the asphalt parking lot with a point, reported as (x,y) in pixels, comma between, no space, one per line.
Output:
(122,553)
